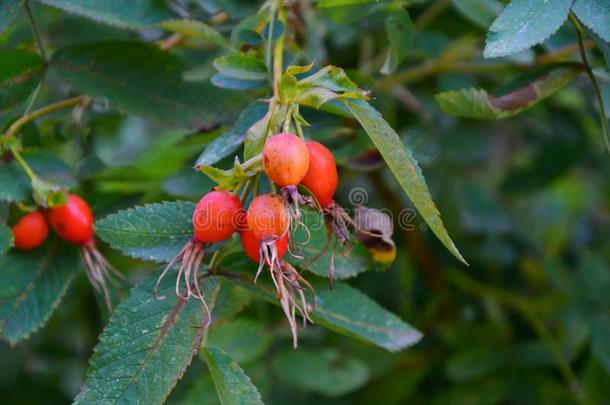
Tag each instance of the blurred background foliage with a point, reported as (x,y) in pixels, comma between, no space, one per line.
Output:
(526,199)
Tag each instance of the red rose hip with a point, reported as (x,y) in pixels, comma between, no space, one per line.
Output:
(30,231)
(321,177)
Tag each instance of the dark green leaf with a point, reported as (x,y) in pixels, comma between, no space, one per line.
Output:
(399,29)
(155,232)
(20,73)
(327,372)
(121,13)
(595,14)
(228,82)
(228,142)
(403,165)
(147,345)
(233,386)
(600,339)
(523,24)
(6,238)
(153,87)
(9,9)
(347,311)
(13,183)
(345,267)
(244,339)
(187,183)
(523,93)
(241,67)
(33,284)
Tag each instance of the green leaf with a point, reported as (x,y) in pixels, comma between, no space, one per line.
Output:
(121,13)
(523,24)
(33,284)
(399,29)
(519,95)
(153,87)
(155,232)
(595,14)
(327,372)
(345,267)
(403,165)
(20,73)
(147,345)
(15,185)
(599,344)
(227,143)
(233,386)
(195,29)
(241,67)
(243,338)
(480,12)
(9,9)
(6,238)
(344,310)
(227,82)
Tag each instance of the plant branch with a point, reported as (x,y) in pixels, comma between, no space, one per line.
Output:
(37,37)
(278,50)
(598,94)
(16,126)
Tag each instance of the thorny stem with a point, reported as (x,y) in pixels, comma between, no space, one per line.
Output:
(43,54)
(598,94)
(522,306)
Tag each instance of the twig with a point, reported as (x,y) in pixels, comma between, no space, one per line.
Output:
(598,94)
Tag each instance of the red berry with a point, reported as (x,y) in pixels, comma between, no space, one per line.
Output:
(73,221)
(268,216)
(321,178)
(216,216)
(251,245)
(285,159)
(30,231)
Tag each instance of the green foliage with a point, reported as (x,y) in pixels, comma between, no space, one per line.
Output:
(32,288)
(523,24)
(232,384)
(20,73)
(107,69)
(121,13)
(399,28)
(142,360)
(595,14)
(6,238)
(522,93)
(9,10)
(154,232)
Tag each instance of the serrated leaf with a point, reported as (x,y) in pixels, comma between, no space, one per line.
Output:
(227,143)
(147,345)
(153,87)
(9,9)
(6,238)
(357,262)
(399,29)
(20,73)
(344,310)
(403,165)
(327,372)
(195,29)
(595,14)
(241,67)
(155,232)
(233,386)
(519,95)
(33,284)
(523,24)
(131,14)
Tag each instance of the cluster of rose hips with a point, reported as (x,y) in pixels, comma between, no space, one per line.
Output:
(266,226)
(73,223)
